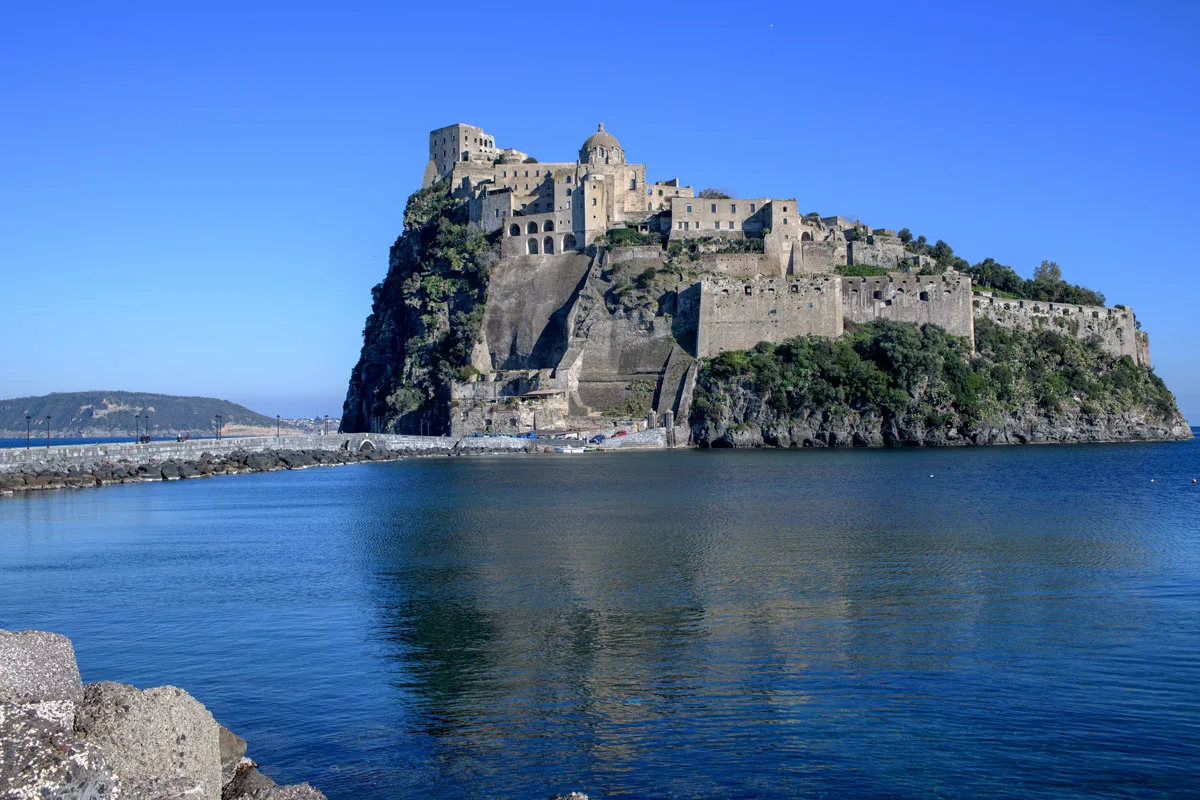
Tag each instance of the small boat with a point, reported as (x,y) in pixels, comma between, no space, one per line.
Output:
(569,449)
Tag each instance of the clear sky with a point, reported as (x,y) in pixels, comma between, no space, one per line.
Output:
(197,200)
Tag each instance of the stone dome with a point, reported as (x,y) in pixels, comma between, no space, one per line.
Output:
(601,138)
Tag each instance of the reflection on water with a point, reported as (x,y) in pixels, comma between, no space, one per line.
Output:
(977,623)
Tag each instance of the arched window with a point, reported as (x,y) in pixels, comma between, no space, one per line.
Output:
(806,237)
(532,247)
(548,245)
(514,230)
(548,225)
(569,242)
(531,228)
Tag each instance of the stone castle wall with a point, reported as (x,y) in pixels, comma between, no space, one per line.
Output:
(1116,327)
(738,314)
(942,300)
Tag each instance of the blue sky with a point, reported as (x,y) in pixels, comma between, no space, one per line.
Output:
(197,200)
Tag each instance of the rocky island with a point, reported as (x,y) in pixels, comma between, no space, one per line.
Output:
(527,295)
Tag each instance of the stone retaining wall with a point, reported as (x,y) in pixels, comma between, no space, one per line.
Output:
(62,456)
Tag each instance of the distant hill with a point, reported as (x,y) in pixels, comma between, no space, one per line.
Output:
(112,414)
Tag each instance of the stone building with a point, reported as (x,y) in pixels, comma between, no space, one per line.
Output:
(756,269)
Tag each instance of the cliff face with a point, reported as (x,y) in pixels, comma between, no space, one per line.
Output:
(890,385)
(425,318)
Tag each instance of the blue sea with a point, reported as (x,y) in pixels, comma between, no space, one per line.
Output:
(965,623)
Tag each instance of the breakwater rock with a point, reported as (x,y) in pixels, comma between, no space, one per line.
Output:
(77,467)
(62,739)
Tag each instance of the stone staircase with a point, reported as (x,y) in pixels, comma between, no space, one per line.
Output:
(672,381)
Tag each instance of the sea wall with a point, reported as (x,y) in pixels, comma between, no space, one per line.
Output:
(63,456)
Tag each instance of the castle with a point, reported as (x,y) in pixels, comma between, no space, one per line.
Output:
(732,272)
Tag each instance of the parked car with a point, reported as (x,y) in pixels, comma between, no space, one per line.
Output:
(598,438)
(618,433)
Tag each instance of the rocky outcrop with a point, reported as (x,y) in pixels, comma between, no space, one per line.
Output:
(746,421)
(62,740)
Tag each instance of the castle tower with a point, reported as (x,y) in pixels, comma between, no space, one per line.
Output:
(601,148)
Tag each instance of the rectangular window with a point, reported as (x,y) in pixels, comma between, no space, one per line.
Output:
(497,212)
(785,220)
(568,179)
(593,201)
(714,208)
(731,225)
(689,209)
(752,208)
(785,209)
(526,173)
(733,208)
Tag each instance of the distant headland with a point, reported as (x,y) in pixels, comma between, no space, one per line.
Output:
(100,414)
(526,295)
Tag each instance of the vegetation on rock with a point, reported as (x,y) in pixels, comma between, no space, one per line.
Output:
(861,271)
(425,319)
(901,377)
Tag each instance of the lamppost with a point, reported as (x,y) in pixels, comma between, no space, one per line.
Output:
(218,427)
(137,427)
(147,418)
(27,421)
(276,426)
(47,431)
(325,429)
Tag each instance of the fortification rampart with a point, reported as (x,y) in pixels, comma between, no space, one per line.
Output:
(738,314)
(1116,327)
(942,300)
(738,264)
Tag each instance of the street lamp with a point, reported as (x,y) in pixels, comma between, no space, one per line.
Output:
(27,421)
(147,418)
(276,426)
(137,428)
(325,429)
(47,431)
(218,427)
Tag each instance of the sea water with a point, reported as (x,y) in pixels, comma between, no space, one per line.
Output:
(971,623)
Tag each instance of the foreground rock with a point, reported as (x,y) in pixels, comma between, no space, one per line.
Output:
(60,739)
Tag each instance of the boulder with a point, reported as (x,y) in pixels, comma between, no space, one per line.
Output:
(160,740)
(38,669)
(41,759)
(232,749)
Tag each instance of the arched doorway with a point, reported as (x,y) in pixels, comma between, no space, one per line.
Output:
(548,225)
(514,230)
(569,242)
(548,245)
(532,247)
